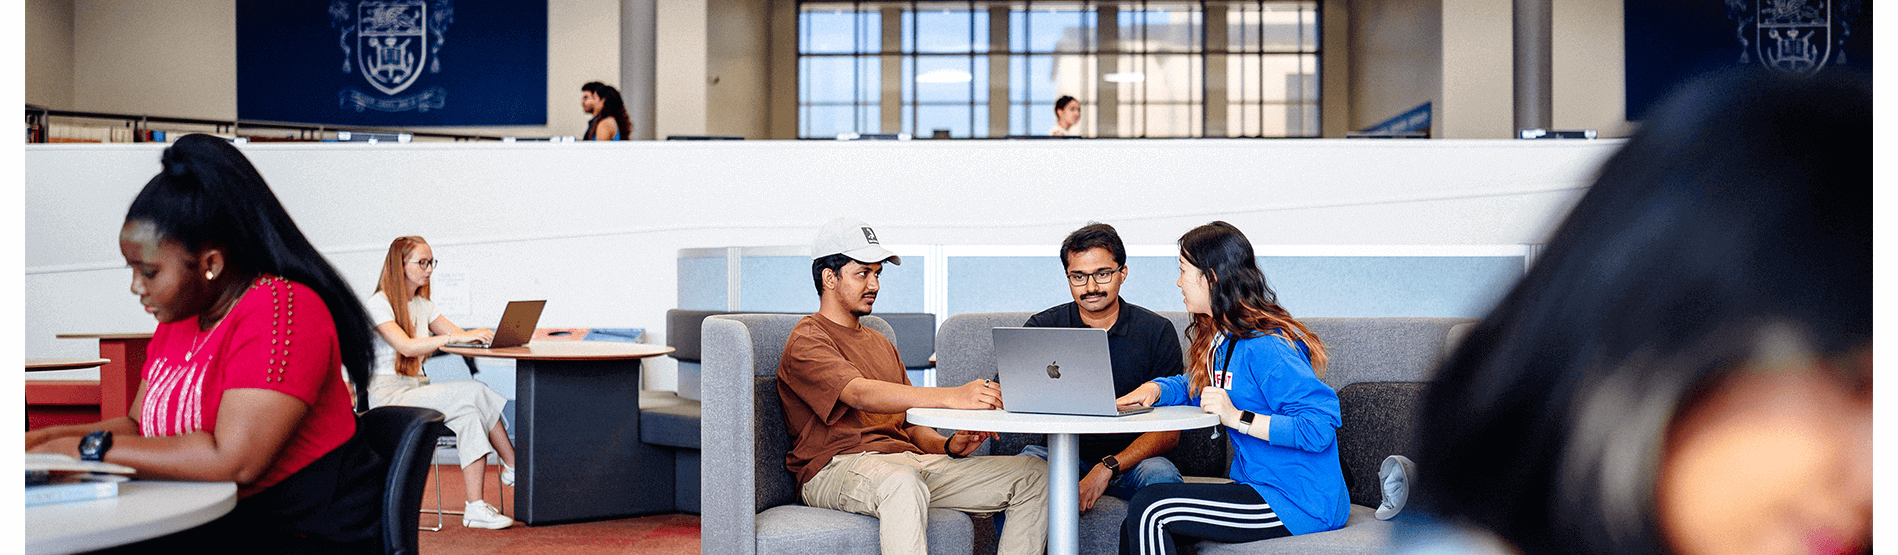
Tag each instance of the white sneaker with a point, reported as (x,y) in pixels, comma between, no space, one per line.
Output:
(1395,476)
(479,514)
(507,475)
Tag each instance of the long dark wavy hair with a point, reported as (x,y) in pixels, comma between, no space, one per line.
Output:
(612,106)
(1243,304)
(209,194)
(1738,217)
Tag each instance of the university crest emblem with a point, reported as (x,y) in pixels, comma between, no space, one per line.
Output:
(391,43)
(1792,36)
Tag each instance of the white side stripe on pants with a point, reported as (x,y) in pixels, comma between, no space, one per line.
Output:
(1167,511)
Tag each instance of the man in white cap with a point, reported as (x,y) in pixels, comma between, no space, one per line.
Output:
(844,393)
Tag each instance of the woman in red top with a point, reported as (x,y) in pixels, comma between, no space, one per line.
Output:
(242,383)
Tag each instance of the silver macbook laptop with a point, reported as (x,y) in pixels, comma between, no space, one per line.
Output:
(517,326)
(1057,371)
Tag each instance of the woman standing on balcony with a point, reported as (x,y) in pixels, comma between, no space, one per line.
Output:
(610,121)
(411,330)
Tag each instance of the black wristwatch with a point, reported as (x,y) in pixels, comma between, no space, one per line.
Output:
(1112,464)
(94,445)
(945,445)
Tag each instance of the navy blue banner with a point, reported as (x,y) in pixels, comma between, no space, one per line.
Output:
(1673,41)
(392,62)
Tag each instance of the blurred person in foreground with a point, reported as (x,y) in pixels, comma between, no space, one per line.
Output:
(1688,366)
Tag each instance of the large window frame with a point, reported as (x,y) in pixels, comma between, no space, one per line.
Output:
(980,68)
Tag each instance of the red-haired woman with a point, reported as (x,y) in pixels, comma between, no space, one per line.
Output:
(1258,369)
(411,330)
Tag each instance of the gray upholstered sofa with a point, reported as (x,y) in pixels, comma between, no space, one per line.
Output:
(750,501)
(672,421)
(751,505)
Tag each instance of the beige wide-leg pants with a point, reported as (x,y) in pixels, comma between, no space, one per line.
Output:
(900,488)
(470,407)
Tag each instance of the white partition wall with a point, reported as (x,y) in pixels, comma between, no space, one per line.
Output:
(597,229)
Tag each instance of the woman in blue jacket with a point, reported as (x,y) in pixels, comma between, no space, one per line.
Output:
(1258,369)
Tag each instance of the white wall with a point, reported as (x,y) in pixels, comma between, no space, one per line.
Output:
(1396,60)
(1479,88)
(739,69)
(1589,67)
(49,48)
(175,58)
(679,72)
(596,228)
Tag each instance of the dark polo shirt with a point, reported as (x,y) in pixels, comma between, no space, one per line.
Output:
(1143,346)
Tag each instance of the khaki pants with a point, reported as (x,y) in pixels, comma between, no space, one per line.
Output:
(468,407)
(900,488)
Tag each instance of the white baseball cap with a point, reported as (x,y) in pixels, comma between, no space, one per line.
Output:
(851,238)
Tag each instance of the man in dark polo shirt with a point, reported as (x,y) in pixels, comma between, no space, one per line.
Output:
(1143,346)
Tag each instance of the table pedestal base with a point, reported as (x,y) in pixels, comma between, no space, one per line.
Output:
(577,447)
(1064,494)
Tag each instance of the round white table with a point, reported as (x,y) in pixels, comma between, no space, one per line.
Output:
(143,510)
(1064,450)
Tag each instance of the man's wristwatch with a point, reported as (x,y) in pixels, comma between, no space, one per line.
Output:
(94,445)
(1113,465)
(1245,422)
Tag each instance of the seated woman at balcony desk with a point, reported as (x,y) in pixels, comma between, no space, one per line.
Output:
(244,381)
(411,329)
(1258,369)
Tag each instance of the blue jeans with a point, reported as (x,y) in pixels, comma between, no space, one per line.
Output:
(1153,470)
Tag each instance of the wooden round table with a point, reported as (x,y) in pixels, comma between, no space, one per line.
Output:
(48,364)
(120,378)
(577,449)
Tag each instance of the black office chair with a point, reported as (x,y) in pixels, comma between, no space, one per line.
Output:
(404,436)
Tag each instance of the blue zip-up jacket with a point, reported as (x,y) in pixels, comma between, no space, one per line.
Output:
(1297,472)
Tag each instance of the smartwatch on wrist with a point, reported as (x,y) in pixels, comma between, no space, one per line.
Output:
(94,445)
(1245,422)
(1112,464)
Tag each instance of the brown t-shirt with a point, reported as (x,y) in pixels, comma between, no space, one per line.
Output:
(819,359)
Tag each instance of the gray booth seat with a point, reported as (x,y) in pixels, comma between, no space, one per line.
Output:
(751,502)
(673,420)
(1378,366)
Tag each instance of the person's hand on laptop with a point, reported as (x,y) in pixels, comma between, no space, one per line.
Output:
(964,442)
(1143,396)
(482,335)
(975,395)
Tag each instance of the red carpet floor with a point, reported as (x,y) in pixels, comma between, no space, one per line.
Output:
(672,534)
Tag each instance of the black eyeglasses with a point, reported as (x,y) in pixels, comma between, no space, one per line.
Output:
(1080,279)
(425,264)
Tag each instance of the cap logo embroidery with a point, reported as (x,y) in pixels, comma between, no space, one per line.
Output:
(870,236)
